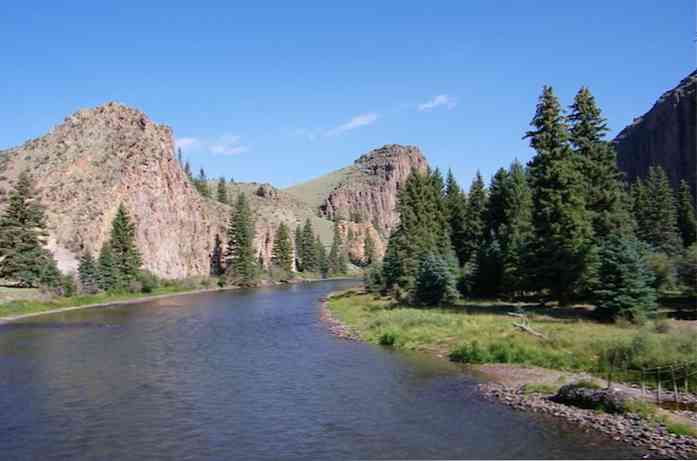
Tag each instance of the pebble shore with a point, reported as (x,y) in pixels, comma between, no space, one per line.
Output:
(628,428)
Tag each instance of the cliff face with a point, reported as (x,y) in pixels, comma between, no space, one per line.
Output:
(99,158)
(666,135)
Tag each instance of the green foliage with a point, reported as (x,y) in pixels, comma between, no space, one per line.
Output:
(298,248)
(241,264)
(662,267)
(374,279)
(369,255)
(456,206)
(221,192)
(23,258)
(148,281)
(539,388)
(476,213)
(687,217)
(659,220)
(87,273)
(282,253)
(187,170)
(338,260)
(322,258)
(435,281)
(105,268)
(687,270)
(625,279)
(561,222)
(388,338)
(201,184)
(487,276)
(216,269)
(308,249)
(125,257)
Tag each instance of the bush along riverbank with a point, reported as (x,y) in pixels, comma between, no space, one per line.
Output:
(530,355)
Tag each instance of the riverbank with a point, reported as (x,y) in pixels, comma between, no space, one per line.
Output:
(565,346)
(18,310)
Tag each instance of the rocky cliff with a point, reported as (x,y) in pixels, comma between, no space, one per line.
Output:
(365,192)
(666,135)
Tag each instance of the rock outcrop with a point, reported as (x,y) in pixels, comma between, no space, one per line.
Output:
(102,157)
(666,136)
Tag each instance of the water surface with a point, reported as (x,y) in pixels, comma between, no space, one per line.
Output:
(247,375)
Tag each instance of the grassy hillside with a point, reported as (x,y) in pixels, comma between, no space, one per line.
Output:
(315,191)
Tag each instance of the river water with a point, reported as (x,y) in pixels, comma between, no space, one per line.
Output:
(249,374)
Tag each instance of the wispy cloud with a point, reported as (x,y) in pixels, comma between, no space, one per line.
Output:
(356,122)
(227,144)
(437,101)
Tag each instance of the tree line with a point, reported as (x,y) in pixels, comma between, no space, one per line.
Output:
(564,228)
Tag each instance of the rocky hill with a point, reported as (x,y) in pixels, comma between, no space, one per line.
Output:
(666,135)
(365,192)
(102,157)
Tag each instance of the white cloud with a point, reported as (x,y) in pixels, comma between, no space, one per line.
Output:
(355,122)
(227,144)
(437,101)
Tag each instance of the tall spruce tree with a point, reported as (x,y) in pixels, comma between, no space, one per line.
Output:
(125,256)
(322,258)
(106,279)
(282,253)
(187,170)
(456,205)
(604,188)
(475,218)
(337,259)
(201,183)
(661,216)
(639,201)
(298,248)
(23,258)
(241,263)
(221,193)
(87,274)
(308,249)
(179,156)
(687,218)
(422,230)
(561,222)
(216,269)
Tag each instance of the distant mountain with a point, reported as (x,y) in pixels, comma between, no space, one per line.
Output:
(666,135)
(99,158)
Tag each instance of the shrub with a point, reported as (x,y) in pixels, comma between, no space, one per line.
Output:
(435,282)
(149,282)
(663,269)
(388,338)
(374,279)
(546,389)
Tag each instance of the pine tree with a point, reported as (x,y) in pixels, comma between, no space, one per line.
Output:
(369,255)
(561,222)
(125,256)
(604,188)
(187,170)
(308,249)
(640,207)
(216,269)
(337,259)
(221,195)
(687,218)
(435,281)
(23,258)
(106,279)
(625,279)
(661,226)
(297,248)
(456,204)
(201,183)
(87,273)
(179,156)
(322,258)
(241,264)
(282,255)
(475,218)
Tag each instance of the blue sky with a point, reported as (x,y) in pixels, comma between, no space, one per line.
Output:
(283,93)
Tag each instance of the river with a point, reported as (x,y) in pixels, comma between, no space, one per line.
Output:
(248,374)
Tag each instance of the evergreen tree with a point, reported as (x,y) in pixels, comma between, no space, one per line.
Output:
(298,248)
(435,281)
(282,256)
(640,206)
(221,195)
(422,230)
(23,234)
(88,275)
(337,260)
(322,258)
(456,205)
(241,263)
(201,183)
(604,188)
(661,226)
(217,257)
(687,270)
(496,211)
(125,256)
(308,253)
(562,226)
(369,256)
(475,218)
(179,156)
(625,279)
(687,218)
(187,170)
(487,273)
(106,279)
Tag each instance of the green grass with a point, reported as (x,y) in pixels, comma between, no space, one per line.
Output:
(537,388)
(482,332)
